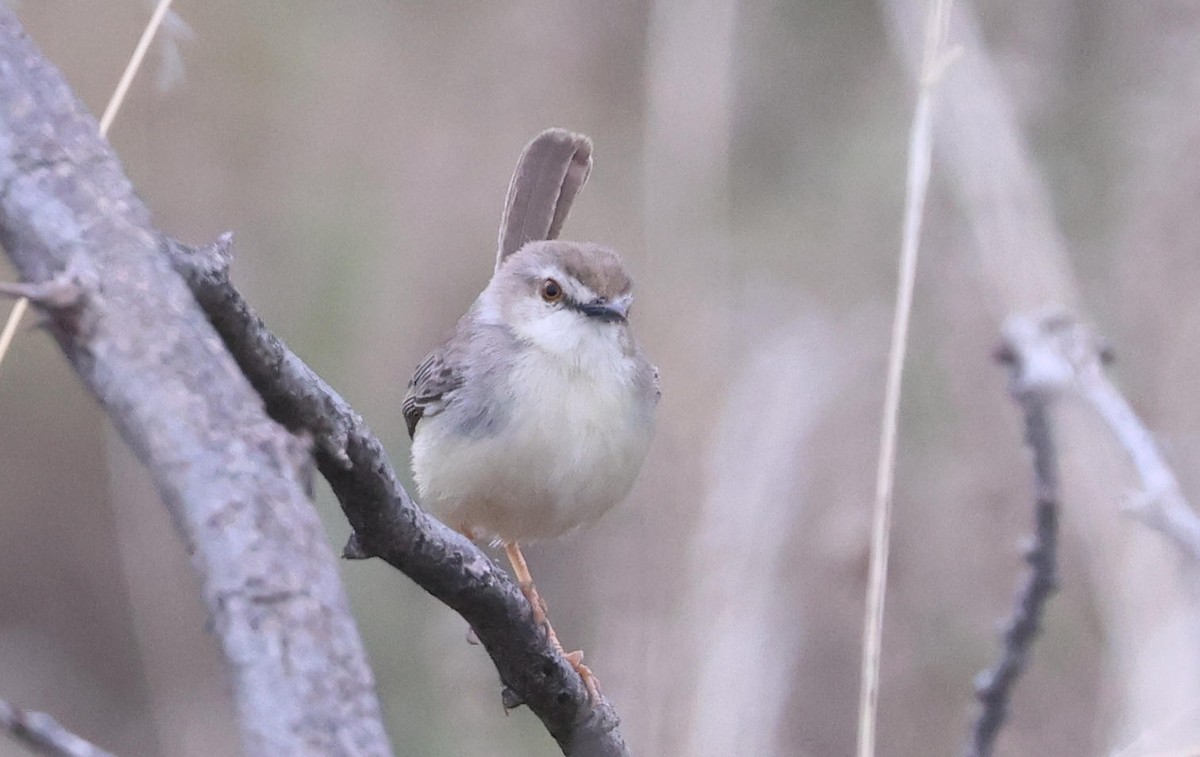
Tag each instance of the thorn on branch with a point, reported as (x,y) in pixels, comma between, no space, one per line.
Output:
(354,549)
(213,259)
(220,249)
(510,699)
(294,394)
(63,292)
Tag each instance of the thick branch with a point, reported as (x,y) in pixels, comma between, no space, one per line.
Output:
(45,735)
(232,477)
(993,688)
(389,525)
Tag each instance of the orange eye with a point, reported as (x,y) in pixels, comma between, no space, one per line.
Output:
(551,291)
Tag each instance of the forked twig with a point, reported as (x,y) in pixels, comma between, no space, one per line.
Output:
(1069,357)
(1053,355)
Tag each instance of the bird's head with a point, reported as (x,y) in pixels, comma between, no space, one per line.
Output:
(563,296)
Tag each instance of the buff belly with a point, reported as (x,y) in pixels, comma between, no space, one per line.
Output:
(569,449)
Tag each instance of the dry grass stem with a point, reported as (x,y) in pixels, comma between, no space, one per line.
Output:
(45,735)
(10,328)
(919,160)
(135,63)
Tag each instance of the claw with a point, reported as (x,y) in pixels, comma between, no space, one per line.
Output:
(589,678)
(354,549)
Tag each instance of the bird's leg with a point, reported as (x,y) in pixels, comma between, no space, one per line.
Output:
(525,581)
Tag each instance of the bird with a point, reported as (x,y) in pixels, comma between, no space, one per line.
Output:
(535,414)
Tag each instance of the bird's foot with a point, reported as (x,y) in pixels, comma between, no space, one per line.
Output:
(589,678)
(575,658)
(538,607)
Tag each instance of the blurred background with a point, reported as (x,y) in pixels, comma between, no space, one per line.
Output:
(749,164)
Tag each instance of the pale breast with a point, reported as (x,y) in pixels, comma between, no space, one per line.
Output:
(574,438)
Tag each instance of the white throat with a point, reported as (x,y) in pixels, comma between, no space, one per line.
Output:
(581,341)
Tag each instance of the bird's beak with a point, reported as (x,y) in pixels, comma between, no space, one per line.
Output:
(604,310)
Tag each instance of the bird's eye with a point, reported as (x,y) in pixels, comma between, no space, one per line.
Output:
(551,291)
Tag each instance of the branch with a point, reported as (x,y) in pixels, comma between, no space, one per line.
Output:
(388,524)
(45,735)
(1160,504)
(1068,357)
(993,687)
(232,478)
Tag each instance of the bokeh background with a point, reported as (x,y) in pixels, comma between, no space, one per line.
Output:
(750,167)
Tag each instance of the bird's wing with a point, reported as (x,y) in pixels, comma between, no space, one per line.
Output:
(432,383)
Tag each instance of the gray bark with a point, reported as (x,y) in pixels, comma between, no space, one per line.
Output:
(232,478)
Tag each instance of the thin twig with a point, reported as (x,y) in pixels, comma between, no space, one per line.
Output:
(45,735)
(110,114)
(919,159)
(1161,503)
(993,687)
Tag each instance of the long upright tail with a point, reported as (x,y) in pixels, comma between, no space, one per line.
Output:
(550,172)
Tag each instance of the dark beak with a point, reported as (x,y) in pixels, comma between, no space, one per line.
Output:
(605,311)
